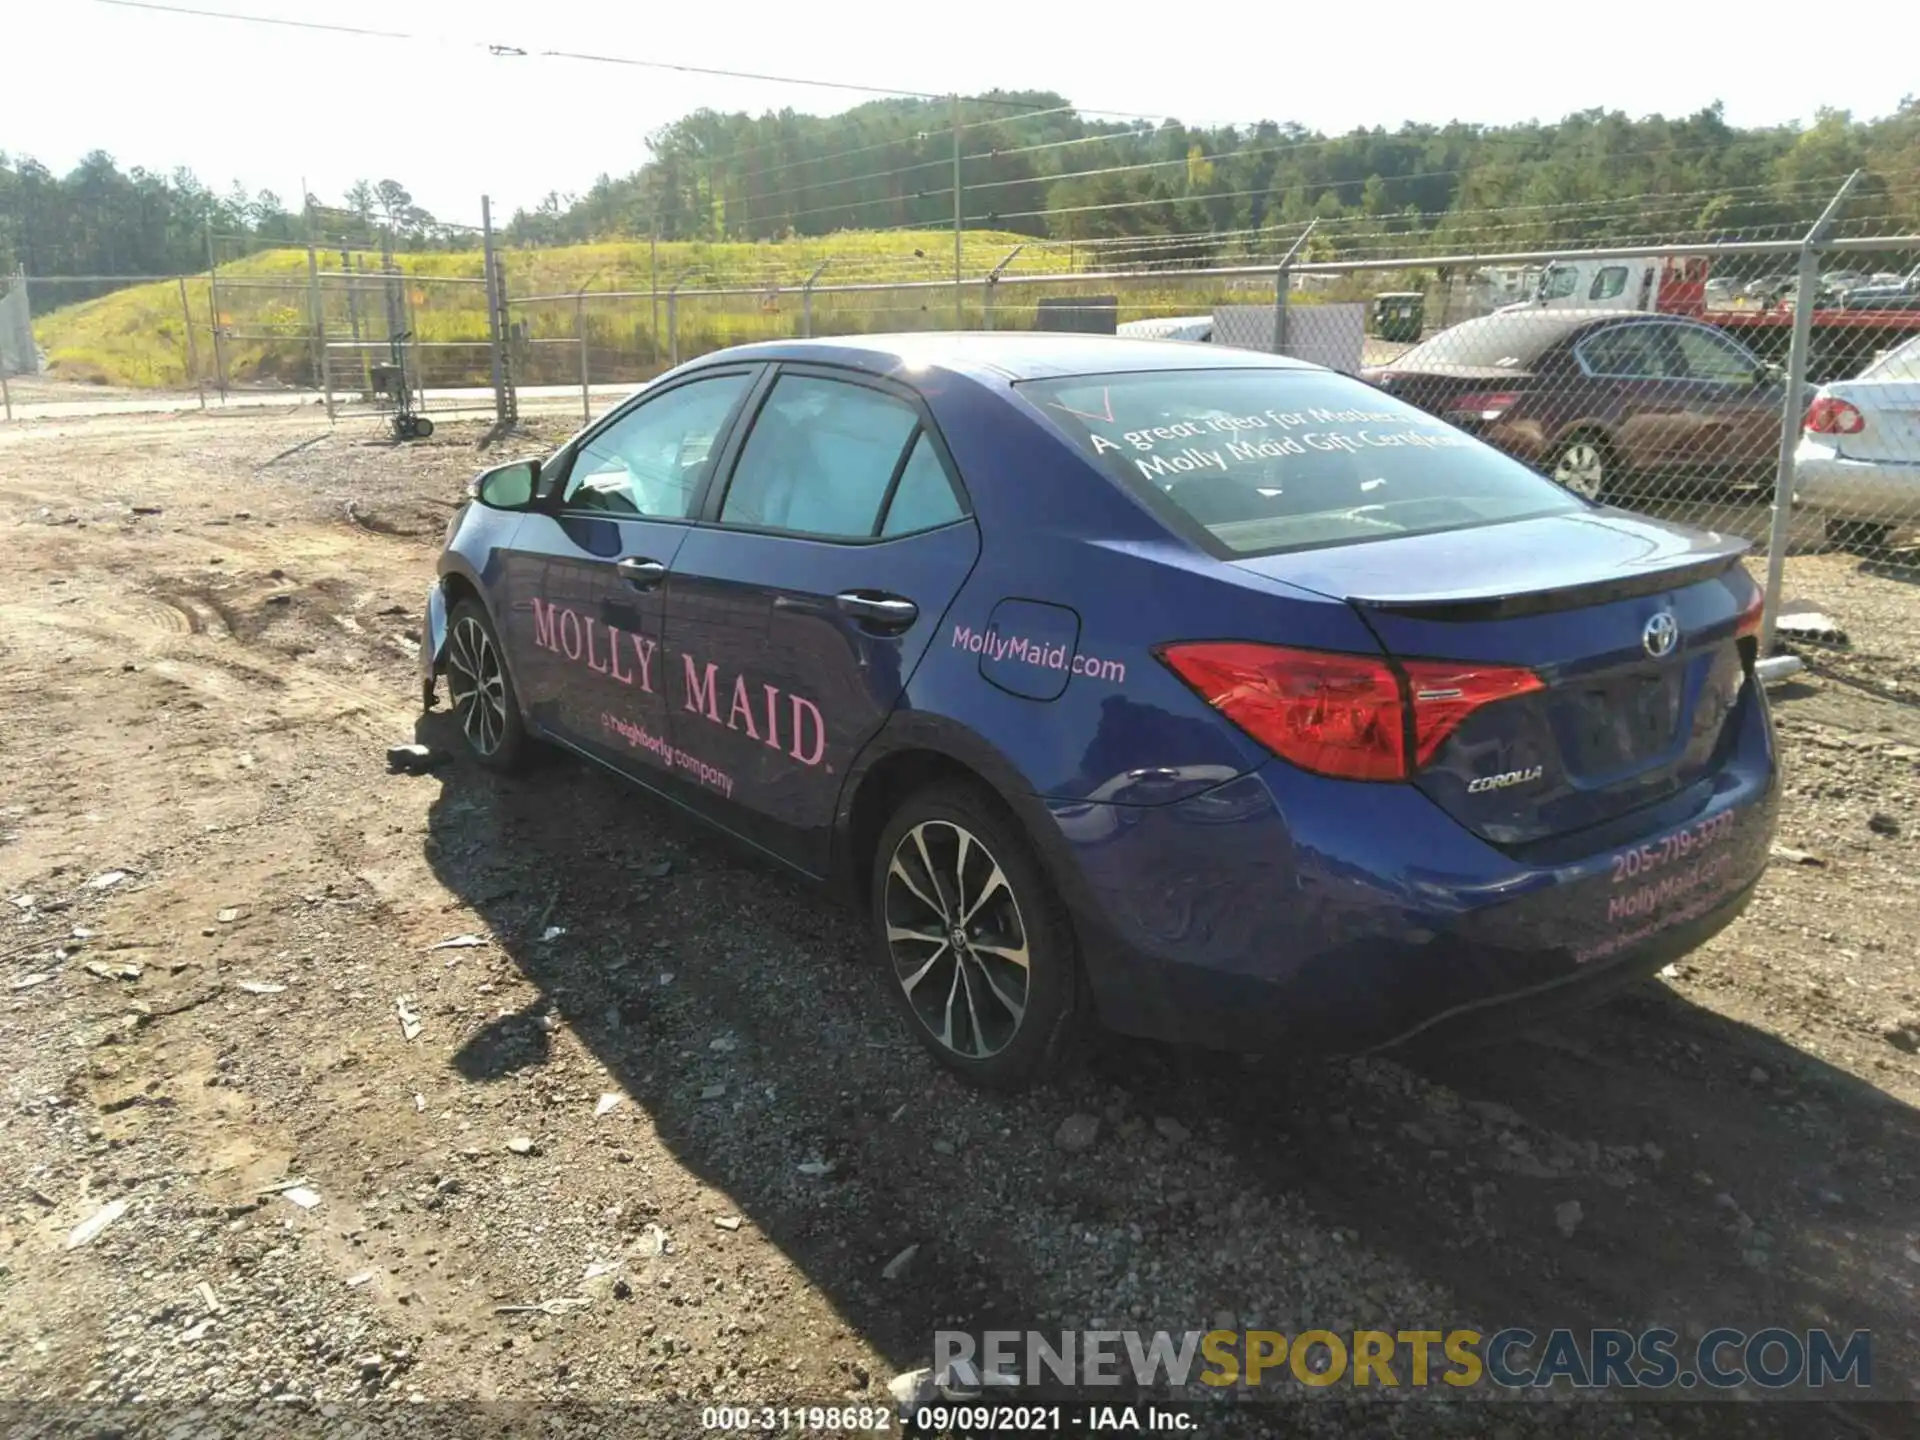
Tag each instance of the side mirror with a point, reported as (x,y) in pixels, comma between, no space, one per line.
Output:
(507,487)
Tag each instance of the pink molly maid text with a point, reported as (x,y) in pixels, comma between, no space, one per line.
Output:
(788,723)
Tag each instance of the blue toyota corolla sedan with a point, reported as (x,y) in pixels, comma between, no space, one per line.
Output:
(1216,695)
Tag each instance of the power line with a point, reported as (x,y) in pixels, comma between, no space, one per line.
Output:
(728,74)
(261,20)
(1227,158)
(1653,200)
(521,52)
(513,51)
(940,129)
(896,142)
(1321,186)
(1026,109)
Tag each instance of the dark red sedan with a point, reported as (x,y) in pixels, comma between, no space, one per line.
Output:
(1607,403)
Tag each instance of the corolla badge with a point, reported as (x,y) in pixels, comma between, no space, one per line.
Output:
(1661,634)
(1526,776)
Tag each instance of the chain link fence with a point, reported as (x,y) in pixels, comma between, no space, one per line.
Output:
(338,328)
(1694,381)
(1767,385)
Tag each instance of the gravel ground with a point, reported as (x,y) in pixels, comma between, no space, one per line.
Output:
(340,1159)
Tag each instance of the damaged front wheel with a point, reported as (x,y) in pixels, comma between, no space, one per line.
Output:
(481,691)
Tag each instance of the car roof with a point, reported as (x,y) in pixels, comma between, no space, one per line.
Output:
(1006,355)
(1520,332)
(1566,320)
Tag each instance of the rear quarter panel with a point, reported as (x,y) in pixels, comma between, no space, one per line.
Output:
(1054,530)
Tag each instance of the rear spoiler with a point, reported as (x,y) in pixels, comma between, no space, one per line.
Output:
(1571,597)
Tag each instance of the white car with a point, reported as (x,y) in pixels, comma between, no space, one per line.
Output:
(1198,328)
(1858,461)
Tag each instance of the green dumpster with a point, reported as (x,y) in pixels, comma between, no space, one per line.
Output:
(1399,316)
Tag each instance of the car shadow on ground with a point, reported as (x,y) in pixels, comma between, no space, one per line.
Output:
(1903,566)
(1648,1163)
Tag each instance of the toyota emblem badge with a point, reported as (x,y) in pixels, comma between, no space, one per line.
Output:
(1662,633)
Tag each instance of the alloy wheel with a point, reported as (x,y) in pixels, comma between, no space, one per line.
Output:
(957,939)
(476,685)
(1582,468)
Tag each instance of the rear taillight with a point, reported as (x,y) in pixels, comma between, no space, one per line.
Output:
(1486,405)
(1446,692)
(1829,415)
(1354,717)
(1748,625)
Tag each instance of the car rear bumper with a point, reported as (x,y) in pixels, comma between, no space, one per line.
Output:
(1367,916)
(1881,491)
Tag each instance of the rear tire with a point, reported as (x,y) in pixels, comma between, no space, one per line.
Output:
(1585,464)
(975,947)
(1860,537)
(480,690)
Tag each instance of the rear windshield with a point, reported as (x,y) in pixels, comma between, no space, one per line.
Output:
(1902,363)
(1493,342)
(1258,461)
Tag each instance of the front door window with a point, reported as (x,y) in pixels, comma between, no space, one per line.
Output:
(650,462)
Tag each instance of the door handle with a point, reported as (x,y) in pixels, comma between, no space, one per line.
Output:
(641,574)
(890,613)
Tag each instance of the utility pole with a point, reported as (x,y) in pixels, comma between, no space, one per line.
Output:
(958,317)
(496,341)
(213,315)
(322,361)
(354,266)
(193,351)
(653,284)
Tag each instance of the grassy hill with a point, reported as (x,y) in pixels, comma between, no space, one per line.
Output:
(138,336)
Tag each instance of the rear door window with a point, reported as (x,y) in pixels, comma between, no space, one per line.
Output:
(1705,355)
(1629,352)
(820,459)
(923,496)
(1901,363)
(1247,462)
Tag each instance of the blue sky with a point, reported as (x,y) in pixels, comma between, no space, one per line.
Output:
(269,106)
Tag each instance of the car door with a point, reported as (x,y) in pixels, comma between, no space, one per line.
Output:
(586,577)
(1627,368)
(797,612)
(1732,406)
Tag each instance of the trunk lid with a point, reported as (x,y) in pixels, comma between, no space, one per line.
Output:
(1447,391)
(1588,601)
(1891,412)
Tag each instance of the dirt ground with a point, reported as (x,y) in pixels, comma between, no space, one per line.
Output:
(666,1088)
